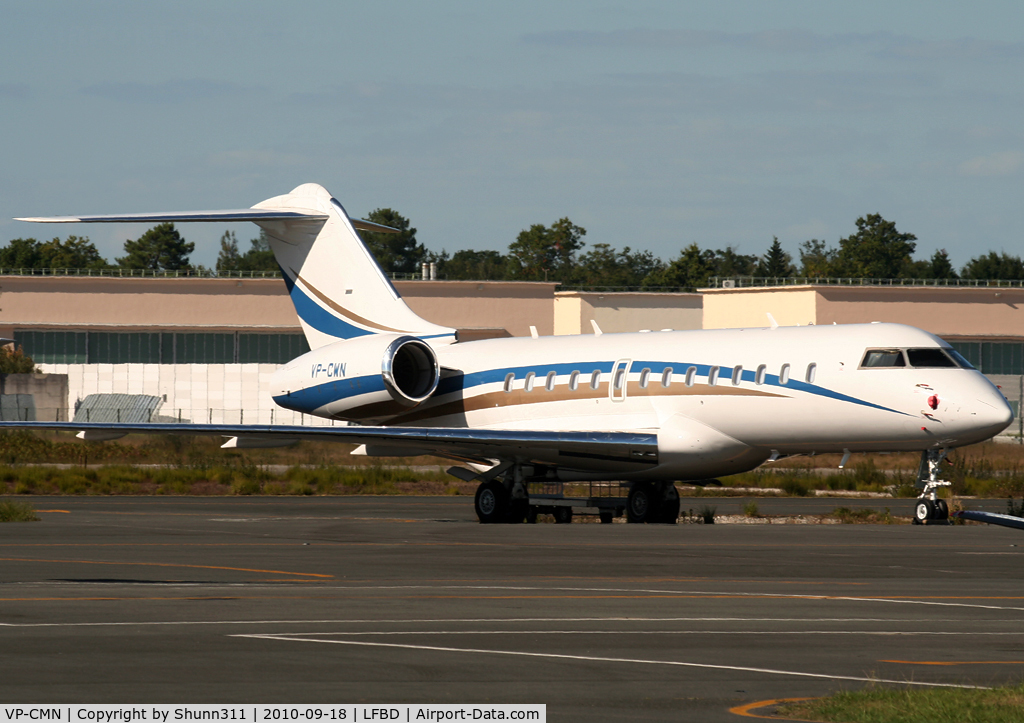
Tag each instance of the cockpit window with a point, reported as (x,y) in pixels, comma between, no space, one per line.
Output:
(929,358)
(959,359)
(882,358)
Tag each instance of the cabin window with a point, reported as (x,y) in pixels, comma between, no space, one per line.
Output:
(620,378)
(759,375)
(645,377)
(784,374)
(812,368)
(883,359)
(666,377)
(691,376)
(737,375)
(549,383)
(929,358)
(509,378)
(574,381)
(595,379)
(528,384)
(712,376)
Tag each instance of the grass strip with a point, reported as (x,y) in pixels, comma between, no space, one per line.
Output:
(223,480)
(918,705)
(13,511)
(863,516)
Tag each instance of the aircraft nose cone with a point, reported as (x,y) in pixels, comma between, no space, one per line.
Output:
(994,414)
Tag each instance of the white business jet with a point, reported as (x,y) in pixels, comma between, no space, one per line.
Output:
(649,409)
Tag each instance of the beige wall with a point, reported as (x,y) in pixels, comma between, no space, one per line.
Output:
(947,312)
(483,305)
(749,308)
(499,308)
(477,308)
(58,302)
(625,311)
(950,312)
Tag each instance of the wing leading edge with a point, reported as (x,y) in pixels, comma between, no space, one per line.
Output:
(612,451)
(992,518)
(232,215)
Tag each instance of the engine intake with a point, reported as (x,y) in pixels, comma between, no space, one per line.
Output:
(410,370)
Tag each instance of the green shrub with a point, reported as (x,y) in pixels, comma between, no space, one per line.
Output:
(245,486)
(793,485)
(299,488)
(840,482)
(750,509)
(13,511)
(862,516)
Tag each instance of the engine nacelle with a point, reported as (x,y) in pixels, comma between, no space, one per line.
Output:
(366,379)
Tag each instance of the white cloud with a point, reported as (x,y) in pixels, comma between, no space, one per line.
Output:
(170,91)
(19,91)
(255,158)
(812,228)
(1001,163)
(881,44)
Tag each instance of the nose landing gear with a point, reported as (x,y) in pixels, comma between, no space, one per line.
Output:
(930,509)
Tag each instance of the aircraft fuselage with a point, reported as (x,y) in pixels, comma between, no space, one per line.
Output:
(721,401)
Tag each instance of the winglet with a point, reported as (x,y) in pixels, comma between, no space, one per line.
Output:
(771,320)
(533,332)
(597,329)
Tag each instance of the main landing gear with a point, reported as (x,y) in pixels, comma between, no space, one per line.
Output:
(500,501)
(504,497)
(653,502)
(930,509)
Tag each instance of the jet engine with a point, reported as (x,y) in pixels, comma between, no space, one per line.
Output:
(366,379)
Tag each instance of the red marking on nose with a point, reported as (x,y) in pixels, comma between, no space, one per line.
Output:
(933,401)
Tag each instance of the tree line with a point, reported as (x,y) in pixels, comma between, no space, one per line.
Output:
(556,252)
(877,250)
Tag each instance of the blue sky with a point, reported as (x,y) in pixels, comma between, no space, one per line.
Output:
(653,125)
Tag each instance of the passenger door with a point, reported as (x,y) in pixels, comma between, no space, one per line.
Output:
(618,384)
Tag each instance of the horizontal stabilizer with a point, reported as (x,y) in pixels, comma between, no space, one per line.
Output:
(245,214)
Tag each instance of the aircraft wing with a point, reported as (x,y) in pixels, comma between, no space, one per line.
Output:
(613,451)
(992,518)
(233,215)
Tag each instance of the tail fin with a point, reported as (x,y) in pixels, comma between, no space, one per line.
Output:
(338,290)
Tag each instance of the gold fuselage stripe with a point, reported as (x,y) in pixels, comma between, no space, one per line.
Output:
(432,410)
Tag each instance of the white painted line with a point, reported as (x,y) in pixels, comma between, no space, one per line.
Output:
(649,591)
(613,619)
(599,659)
(658,591)
(421,621)
(1001,633)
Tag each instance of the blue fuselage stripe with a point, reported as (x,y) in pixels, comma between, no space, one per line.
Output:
(315,397)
